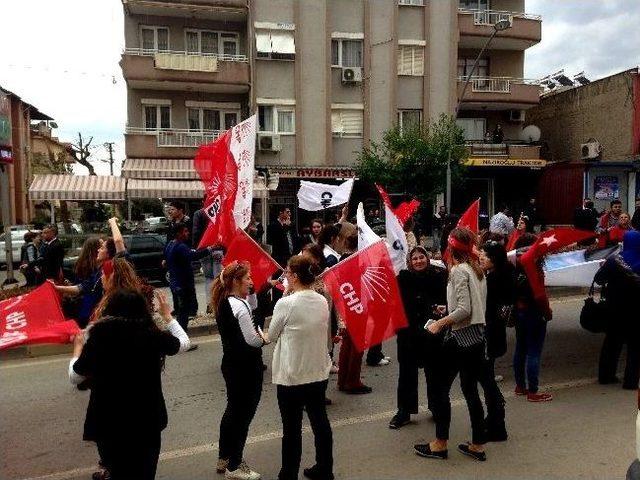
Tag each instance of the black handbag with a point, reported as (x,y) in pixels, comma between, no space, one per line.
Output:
(594,314)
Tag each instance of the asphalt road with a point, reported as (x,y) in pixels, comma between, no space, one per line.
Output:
(588,431)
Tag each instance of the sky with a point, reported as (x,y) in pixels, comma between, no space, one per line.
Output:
(63,56)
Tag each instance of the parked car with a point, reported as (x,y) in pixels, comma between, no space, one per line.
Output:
(145,252)
(156,225)
(634,469)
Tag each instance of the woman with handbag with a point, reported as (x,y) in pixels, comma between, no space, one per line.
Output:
(464,349)
(620,277)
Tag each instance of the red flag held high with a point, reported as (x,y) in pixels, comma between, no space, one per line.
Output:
(365,292)
(548,242)
(403,211)
(244,248)
(469,219)
(35,317)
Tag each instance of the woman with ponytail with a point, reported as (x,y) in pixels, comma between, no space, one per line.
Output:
(242,369)
(464,349)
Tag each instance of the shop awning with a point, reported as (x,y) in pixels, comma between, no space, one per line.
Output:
(77,187)
(505,162)
(142,188)
(160,168)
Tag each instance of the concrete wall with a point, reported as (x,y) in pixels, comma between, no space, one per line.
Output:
(442,47)
(275,78)
(277,11)
(507,5)
(602,110)
(346,15)
(410,92)
(502,63)
(346,150)
(410,23)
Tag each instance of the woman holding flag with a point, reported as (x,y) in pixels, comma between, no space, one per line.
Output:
(465,347)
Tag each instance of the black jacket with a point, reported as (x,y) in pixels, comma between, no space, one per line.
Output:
(420,292)
(124,360)
(200,223)
(585,219)
(51,259)
(277,238)
(236,353)
(501,292)
(621,288)
(635,221)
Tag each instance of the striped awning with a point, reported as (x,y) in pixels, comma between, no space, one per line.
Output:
(143,188)
(160,168)
(77,187)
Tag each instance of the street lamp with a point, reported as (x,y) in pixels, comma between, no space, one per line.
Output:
(499,26)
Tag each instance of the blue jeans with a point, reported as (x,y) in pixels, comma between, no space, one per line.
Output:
(530,332)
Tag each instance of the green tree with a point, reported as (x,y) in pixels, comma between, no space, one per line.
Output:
(414,161)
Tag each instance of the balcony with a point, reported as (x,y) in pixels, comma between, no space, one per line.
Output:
(475,26)
(166,143)
(172,70)
(499,93)
(509,154)
(222,10)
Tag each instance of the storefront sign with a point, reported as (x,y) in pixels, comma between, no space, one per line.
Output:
(506,162)
(313,172)
(606,187)
(5,120)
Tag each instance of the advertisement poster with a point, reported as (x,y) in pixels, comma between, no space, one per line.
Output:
(606,188)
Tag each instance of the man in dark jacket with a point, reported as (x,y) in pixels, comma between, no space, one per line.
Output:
(635,221)
(51,255)
(282,237)
(177,217)
(586,216)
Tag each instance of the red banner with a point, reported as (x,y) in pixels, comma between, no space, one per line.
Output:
(35,317)
(403,211)
(470,218)
(365,292)
(244,249)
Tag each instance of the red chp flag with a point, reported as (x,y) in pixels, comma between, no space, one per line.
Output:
(35,317)
(365,292)
(243,248)
(403,211)
(226,167)
(548,242)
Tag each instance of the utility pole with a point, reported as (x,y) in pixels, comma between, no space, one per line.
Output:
(109,146)
(5,216)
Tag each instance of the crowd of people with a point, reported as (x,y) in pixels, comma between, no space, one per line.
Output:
(457,326)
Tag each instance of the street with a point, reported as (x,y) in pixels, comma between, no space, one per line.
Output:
(587,431)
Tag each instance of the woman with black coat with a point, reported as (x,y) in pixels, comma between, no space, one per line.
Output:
(124,357)
(422,287)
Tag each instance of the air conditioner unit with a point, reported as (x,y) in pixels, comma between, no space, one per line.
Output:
(591,150)
(268,142)
(516,116)
(351,75)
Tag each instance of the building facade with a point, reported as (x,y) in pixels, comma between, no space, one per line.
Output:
(593,135)
(326,77)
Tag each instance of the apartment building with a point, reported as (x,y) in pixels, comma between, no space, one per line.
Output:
(326,78)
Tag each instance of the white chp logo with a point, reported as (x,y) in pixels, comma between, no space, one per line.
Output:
(374,284)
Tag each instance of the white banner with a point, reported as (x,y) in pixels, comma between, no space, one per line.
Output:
(243,149)
(366,236)
(314,196)
(396,240)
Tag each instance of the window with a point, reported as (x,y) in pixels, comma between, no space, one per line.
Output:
(157,117)
(410,2)
(276,119)
(210,42)
(275,44)
(474,4)
(409,119)
(411,60)
(346,53)
(347,122)
(155,38)
(473,128)
(211,119)
(466,64)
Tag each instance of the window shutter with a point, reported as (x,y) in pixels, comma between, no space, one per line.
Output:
(263,42)
(418,61)
(282,42)
(404,60)
(336,122)
(352,122)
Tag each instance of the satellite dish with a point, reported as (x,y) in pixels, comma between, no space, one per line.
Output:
(530,133)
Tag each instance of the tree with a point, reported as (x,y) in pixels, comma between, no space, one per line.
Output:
(81,153)
(414,161)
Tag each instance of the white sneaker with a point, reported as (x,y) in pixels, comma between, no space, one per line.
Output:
(387,358)
(383,362)
(499,378)
(243,472)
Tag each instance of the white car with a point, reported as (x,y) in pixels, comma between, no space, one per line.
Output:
(634,469)
(17,240)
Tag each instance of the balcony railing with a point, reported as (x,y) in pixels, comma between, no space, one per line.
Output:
(491,17)
(496,84)
(219,56)
(173,137)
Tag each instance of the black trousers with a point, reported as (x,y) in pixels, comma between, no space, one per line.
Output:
(612,345)
(292,400)
(409,366)
(494,400)
(185,305)
(374,354)
(471,364)
(244,389)
(131,457)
